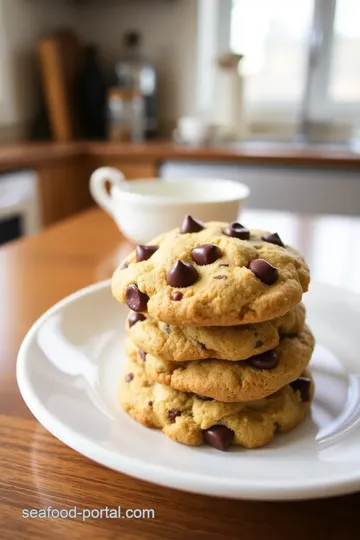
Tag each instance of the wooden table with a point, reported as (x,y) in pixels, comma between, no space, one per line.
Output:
(37,470)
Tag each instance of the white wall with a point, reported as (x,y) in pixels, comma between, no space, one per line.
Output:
(22,22)
(169,31)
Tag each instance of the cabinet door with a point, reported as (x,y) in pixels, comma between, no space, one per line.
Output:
(64,188)
(131,169)
(292,189)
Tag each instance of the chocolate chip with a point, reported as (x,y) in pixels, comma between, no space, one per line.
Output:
(273,239)
(176,296)
(220,277)
(266,360)
(224,265)
(258,343)
(142,354)
(172,414)
(135,317)
(206,254)
(302,384)
(237,230)
(143,253)
(191,225)
(203,398)
(135,299)
(266,272)
(150,403)
(220,437)
(124,265)
(129,377)
(182,274)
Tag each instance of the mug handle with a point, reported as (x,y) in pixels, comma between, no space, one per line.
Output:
(98,188)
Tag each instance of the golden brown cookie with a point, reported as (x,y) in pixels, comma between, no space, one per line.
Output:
(189,419)
(246,380)
(216,274)
(184,343)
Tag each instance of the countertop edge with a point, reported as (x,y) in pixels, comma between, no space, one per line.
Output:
(25,155)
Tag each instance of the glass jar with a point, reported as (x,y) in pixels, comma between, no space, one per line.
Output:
(125,115)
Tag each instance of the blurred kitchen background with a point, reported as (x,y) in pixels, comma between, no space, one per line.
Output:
(266,92)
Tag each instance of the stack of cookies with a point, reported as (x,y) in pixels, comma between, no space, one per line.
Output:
(217,348)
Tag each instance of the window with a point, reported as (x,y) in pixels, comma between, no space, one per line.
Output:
(299,57)
(273,39)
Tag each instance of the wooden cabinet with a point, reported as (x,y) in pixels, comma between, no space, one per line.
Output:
(63,188)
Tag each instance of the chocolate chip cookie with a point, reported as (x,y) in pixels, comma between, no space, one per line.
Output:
(184,343)
(195,420)
(213,274)
(247,380)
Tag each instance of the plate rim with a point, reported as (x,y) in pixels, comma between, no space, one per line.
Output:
(157,474)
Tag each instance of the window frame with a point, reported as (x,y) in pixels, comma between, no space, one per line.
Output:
(324,23)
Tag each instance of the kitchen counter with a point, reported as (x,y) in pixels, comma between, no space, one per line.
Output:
(29,154)
(63,169)
(24,155)
(240,153)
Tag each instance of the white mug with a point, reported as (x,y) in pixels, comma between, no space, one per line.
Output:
(144,208)
(192,130)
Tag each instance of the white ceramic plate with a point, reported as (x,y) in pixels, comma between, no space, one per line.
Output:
(68,370)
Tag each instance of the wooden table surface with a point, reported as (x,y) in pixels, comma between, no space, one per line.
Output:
(37,470)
